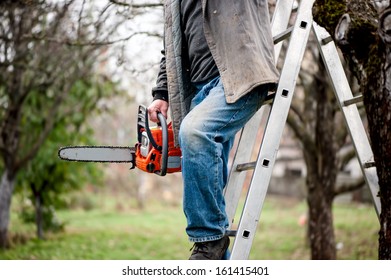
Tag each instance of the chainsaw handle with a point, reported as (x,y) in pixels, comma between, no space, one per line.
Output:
(164,148)
(163,165)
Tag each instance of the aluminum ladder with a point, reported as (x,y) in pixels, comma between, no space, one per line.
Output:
(276,119)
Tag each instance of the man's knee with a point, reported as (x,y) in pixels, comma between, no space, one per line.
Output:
(186,130)
(190,131)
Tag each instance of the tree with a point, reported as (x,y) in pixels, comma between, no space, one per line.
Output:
(316,121)
(45,49)
(46,178)
(362,31)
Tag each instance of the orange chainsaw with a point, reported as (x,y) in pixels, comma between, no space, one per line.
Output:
(154,152)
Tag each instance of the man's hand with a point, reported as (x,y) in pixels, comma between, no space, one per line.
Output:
(157,106)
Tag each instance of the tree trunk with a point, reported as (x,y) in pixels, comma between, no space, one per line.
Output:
(6,189)
(322,170)
(320,224)
(378,107)
(320,184)
(377,99)
(313,119)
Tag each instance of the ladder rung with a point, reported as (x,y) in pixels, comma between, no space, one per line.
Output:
(231,232)
(282,36)
(353,100)
(245,166)
(369,164)
(327,40)
(269,99)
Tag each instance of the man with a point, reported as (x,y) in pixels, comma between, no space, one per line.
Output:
(217,68)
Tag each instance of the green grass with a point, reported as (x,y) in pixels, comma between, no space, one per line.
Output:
(157,232)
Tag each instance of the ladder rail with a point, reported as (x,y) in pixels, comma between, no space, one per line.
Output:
(280,21)
(273,133)
(350,112)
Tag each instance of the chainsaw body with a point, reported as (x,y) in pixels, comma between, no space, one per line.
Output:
(150,159)
(155,150)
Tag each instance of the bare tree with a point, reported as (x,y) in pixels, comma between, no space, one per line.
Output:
(45,48)
(316,121)
(362,30)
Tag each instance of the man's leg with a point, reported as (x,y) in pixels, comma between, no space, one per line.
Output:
(206,137)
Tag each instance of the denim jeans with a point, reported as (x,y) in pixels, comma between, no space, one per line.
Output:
(206,137)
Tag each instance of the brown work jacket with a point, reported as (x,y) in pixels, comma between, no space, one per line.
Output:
(238,33)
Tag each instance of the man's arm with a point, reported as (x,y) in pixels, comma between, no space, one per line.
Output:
(159,93)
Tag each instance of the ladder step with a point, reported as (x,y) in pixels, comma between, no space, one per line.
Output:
(282,36)
(231,233)
(369,164)
(245,166)
(327,40)
(269,99)
(353,100)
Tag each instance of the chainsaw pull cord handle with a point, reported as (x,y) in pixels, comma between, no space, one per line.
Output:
(164,148)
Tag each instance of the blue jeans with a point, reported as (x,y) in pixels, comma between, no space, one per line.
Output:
(206,137)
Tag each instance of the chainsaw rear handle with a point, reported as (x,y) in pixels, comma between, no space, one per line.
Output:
(164,148)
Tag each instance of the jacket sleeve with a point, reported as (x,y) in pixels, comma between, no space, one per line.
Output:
(160,91)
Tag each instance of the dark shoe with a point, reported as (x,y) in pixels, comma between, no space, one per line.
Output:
(211,250)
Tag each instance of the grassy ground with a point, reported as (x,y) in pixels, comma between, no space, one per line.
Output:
(157,232)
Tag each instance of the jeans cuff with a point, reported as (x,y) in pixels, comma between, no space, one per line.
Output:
(206,239)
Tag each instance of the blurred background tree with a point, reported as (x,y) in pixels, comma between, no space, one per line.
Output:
(317,123)
(50,58)
(45,179)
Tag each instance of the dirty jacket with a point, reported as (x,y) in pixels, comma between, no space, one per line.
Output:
(239,36)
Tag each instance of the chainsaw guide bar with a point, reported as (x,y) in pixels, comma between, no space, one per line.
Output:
(97,154)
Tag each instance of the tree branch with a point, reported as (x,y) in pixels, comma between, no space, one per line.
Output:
(380,5)
(137,6)
(300,131)
(92,43)
(349,187)
(347,156)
